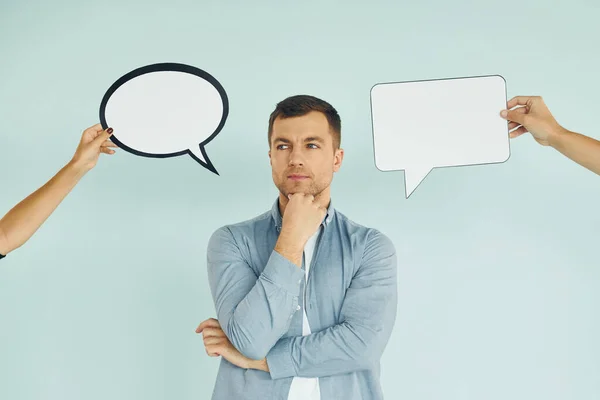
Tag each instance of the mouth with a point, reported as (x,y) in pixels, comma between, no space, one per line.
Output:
(296,177)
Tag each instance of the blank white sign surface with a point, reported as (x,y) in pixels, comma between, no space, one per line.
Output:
(165,110)
(422,125)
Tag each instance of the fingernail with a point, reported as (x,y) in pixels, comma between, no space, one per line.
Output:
(504,113)
(109,130)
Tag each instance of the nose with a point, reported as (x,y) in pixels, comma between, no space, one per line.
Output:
(296,157)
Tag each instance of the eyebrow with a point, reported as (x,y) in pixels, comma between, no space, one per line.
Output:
(314,139)
(308,139)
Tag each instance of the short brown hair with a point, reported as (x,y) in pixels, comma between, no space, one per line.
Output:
(299,105)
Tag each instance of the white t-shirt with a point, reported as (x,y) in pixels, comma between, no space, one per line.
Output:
(306,388)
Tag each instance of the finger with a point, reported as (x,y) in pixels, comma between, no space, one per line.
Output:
(209,341)
(102,137)
(91,133)
(213,332)
(211,322)
(517,115)
(520,110)
(518,132)
(106,150)
(94,128)
(520,100)
(512,126)
(108,143)
(213,351)
(216,332)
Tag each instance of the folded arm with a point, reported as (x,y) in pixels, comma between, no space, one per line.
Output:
(254,312)
(368,315)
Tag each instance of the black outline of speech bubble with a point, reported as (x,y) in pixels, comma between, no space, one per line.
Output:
(176,67)
(439,166)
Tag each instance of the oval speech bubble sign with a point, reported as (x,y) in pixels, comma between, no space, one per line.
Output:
(165,110)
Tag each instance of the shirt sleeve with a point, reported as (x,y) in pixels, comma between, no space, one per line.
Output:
(253,311)
(368,315)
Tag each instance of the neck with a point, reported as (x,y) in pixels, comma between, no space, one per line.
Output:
(323,199)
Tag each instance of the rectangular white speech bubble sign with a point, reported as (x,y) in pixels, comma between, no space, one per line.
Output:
(421,125)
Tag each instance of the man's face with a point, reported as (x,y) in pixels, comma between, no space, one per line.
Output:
(302,156)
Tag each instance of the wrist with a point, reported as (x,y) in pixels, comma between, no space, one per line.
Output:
(290,242)
(260,365)
(290,247)
(556,136)
(76,167)
(295,257)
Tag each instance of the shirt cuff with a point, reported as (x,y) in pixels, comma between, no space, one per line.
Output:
(279,359)
(284,273)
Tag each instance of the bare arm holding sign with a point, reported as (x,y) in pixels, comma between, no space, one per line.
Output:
(533,116)
(23,220)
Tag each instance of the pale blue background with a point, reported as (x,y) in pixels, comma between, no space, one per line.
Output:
(498,265)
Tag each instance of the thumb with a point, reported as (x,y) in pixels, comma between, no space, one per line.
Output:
(514,116)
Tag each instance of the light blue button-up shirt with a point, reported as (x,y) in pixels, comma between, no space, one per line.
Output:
(350,300)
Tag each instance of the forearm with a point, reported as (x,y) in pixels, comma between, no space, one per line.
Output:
(253,313)
(263,316)
(23,220)
(290,248)
(582,149)
(366,318)
(271,303)
(260,365)
(337,350)
(340,349)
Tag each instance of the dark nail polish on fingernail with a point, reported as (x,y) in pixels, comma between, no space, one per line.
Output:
(110,130)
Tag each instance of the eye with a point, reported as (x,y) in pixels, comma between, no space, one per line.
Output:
(281,147)
(315,146)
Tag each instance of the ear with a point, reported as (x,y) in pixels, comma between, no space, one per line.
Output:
(270,159)
(337,159)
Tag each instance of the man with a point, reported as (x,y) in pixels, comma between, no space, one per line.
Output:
(530,114)
(23,220)
(306,299)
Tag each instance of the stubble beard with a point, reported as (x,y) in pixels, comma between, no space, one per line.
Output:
(313,188)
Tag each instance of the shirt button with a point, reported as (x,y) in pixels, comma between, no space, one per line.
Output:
(298,308)
(300,281)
